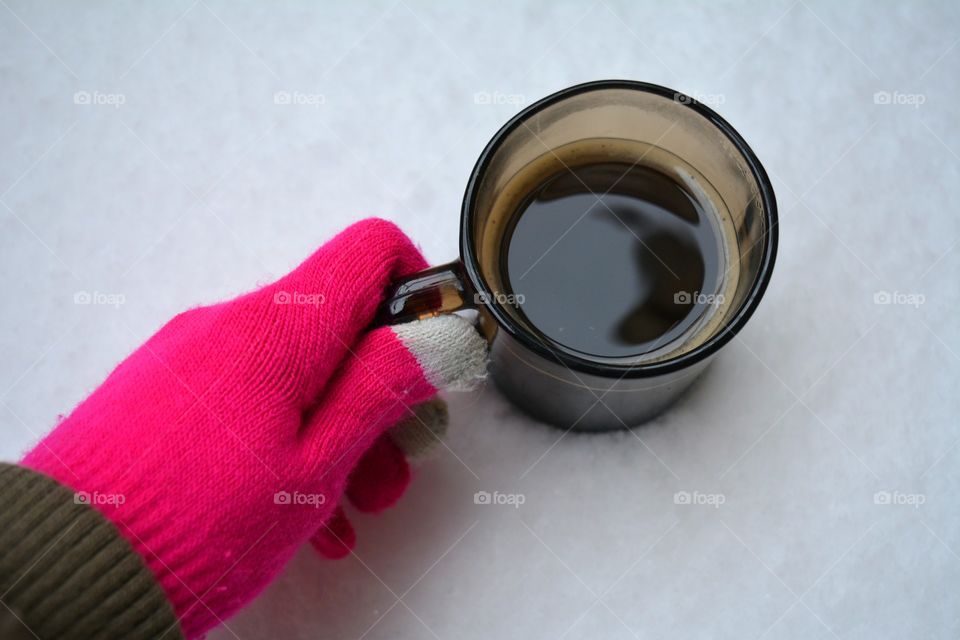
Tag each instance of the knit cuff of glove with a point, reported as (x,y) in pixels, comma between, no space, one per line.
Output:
(66,572)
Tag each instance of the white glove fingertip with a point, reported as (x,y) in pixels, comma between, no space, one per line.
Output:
(452,354)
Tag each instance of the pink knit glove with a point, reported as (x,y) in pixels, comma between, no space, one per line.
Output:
(227,439)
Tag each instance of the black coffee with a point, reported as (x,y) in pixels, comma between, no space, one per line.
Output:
(611,260)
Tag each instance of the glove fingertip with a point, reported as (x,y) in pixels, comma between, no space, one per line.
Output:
(450,351)
(419,434)
(336,537)
(380,479)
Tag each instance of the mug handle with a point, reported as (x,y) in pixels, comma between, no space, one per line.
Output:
(427,293)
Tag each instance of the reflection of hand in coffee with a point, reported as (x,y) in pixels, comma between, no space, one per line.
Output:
(674,270)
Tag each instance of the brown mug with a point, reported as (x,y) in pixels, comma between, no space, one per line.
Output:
(562,387)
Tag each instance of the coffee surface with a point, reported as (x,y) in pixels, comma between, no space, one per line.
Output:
(612,260)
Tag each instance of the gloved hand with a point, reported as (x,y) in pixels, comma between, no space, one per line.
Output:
(228,438)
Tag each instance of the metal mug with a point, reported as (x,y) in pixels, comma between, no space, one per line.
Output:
(573,390)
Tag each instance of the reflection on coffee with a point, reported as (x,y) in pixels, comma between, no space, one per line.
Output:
(613,259)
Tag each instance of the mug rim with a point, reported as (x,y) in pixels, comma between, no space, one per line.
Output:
(608,369)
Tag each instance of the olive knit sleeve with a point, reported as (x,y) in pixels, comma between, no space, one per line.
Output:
(66,572)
